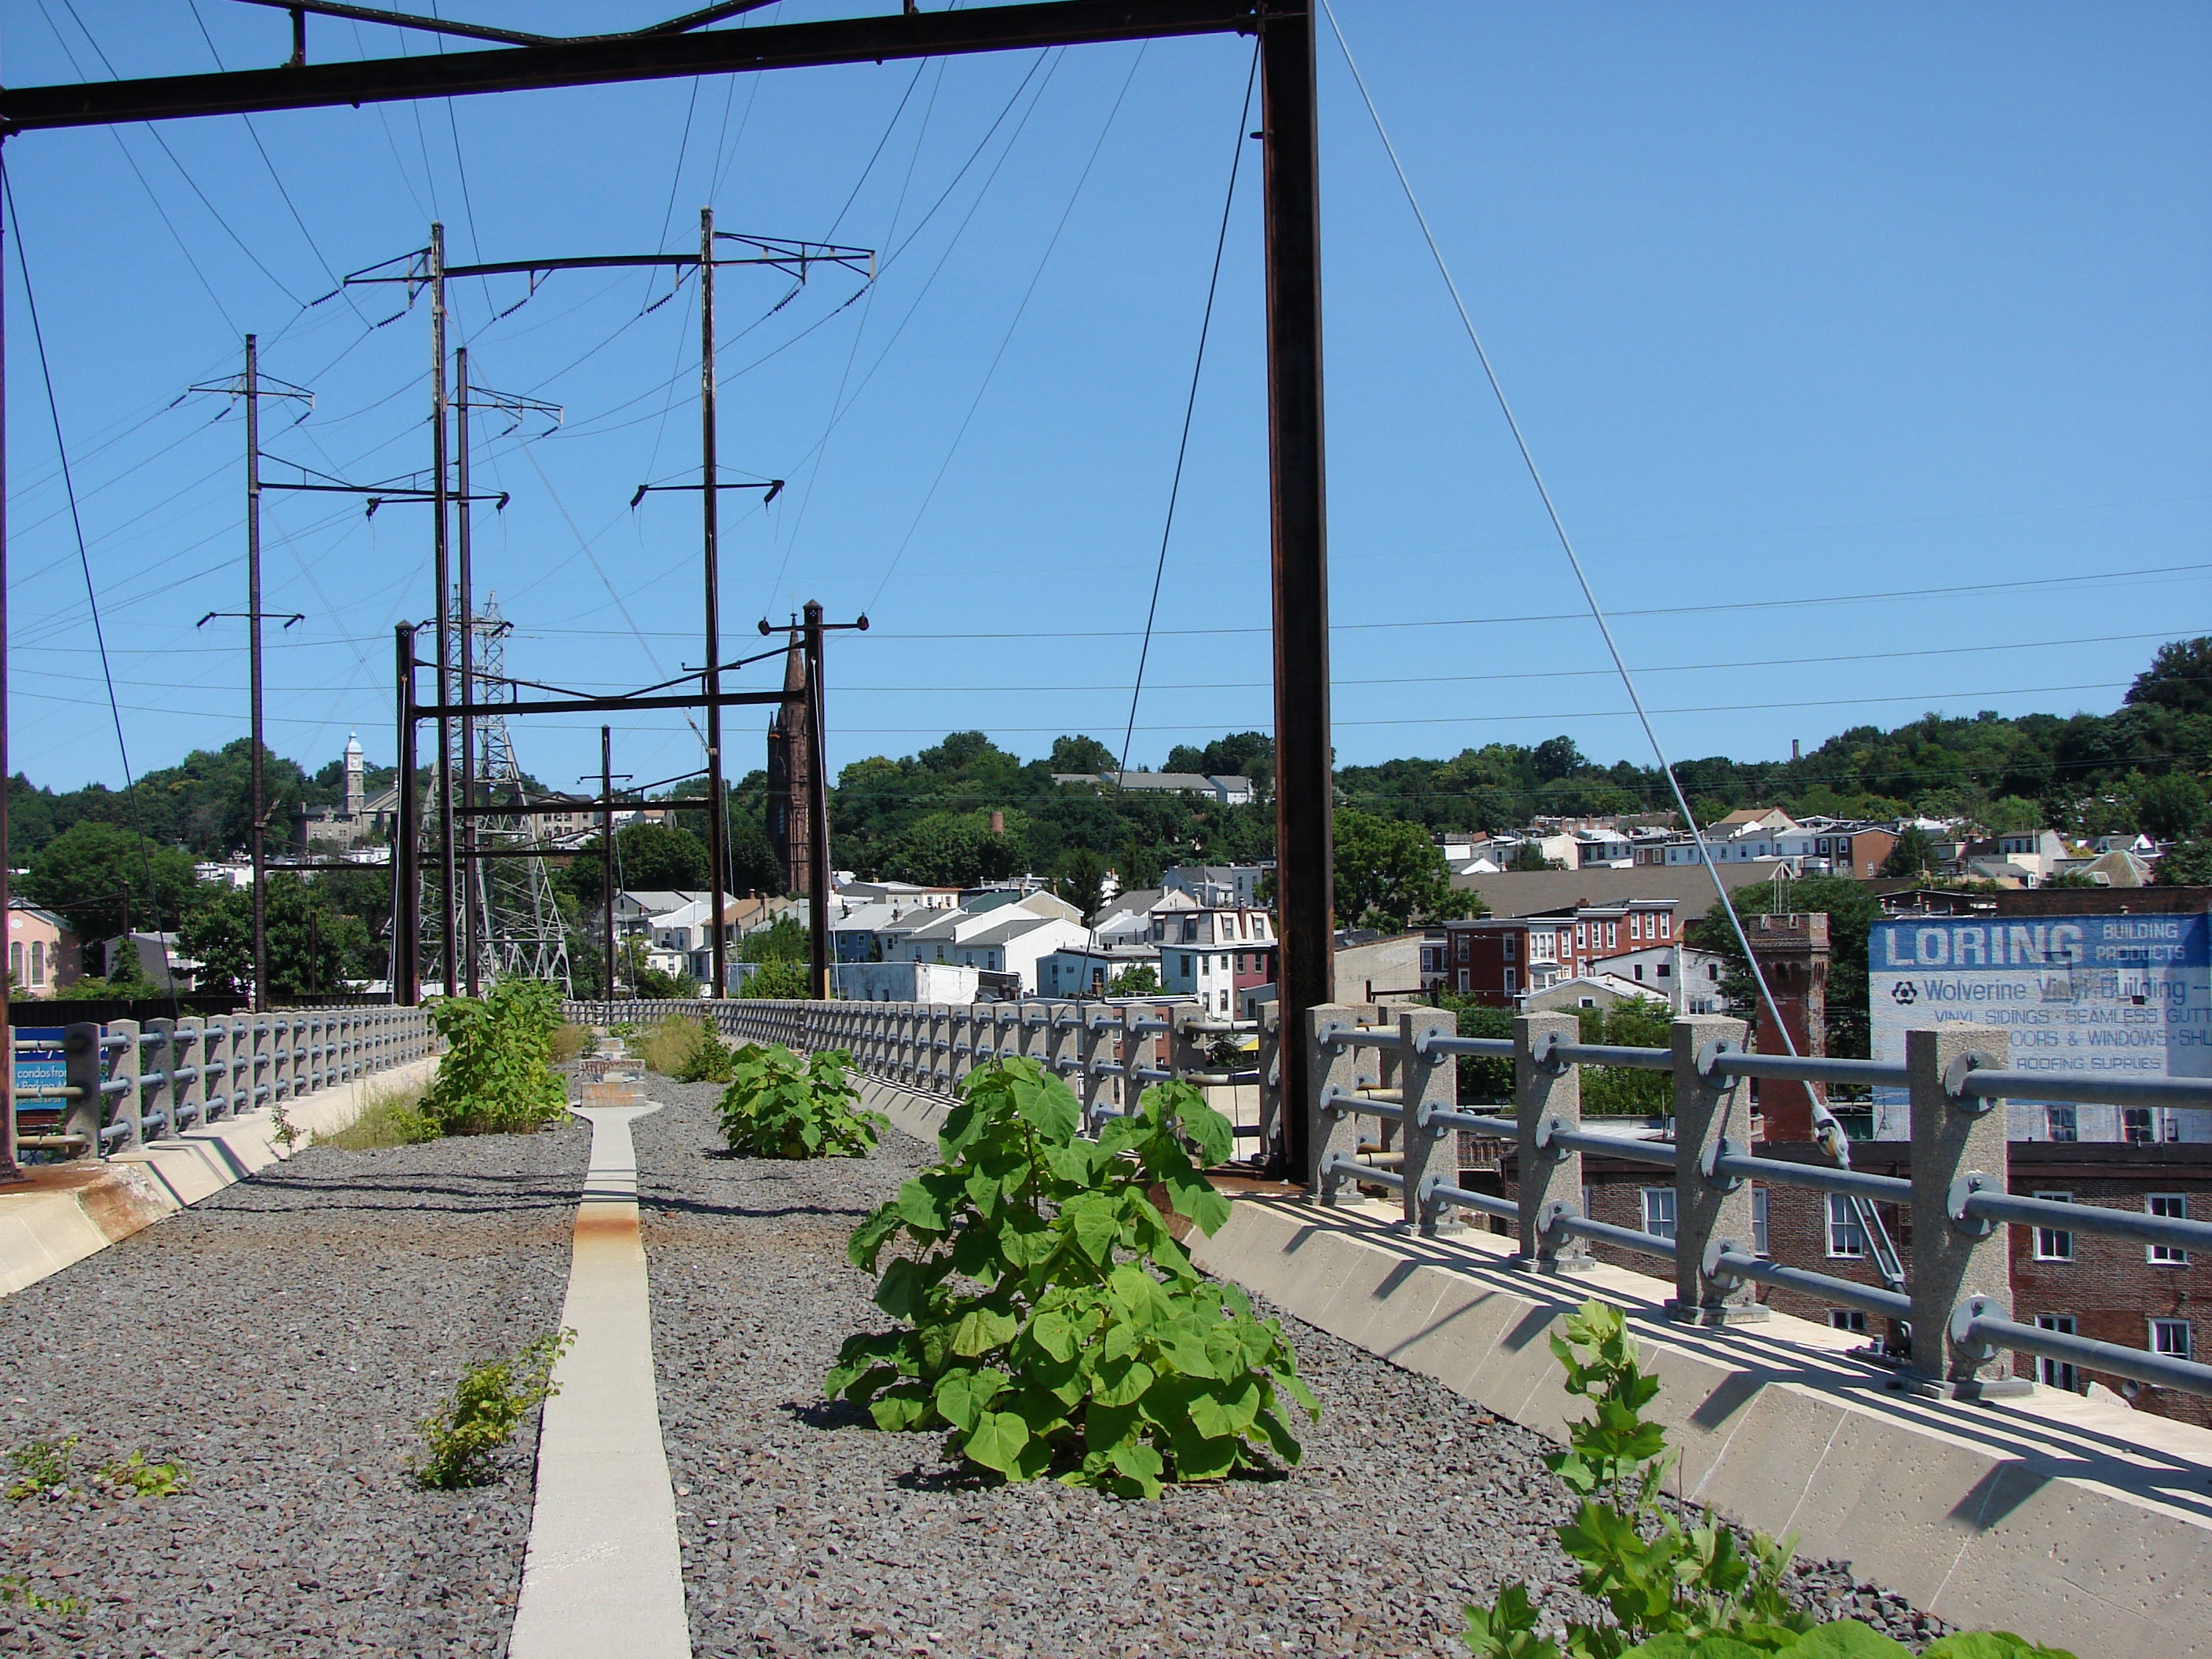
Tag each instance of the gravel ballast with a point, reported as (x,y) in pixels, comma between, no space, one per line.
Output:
(806,1531)
(281,1340)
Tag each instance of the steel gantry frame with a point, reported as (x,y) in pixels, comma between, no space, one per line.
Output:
(684,47)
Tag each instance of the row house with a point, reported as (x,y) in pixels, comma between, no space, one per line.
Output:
(1499,959)
(1210,953)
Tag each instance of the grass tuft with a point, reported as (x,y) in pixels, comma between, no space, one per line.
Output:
(392,1117)
(568,1040)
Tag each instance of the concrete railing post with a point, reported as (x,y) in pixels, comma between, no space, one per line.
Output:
(1428,1083)
(1706,1118)
(123,1106)
(1548,1091)
(1337,1070)
(1271,1081)
(1094,1048)
(80,1071)
(1953,1137)
(190,1103)
(163,1056)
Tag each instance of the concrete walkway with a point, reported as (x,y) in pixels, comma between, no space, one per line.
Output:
(603,1574)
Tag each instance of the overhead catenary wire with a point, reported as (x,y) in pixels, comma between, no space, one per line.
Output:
(1826,1128)
(91,594)
(1189,411)
(1014,325)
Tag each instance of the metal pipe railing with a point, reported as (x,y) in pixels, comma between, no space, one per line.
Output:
(1975,1322)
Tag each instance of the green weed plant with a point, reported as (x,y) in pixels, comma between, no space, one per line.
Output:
(779,1105)
(1674,1592)
(39,1467)
(16,1590)
(134,1474)
(462,1438)
(1052,1322)
(497,1076)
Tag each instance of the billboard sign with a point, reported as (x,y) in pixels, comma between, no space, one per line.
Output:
(2129,995)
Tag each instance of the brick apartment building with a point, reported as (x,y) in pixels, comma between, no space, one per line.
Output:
(1499,959)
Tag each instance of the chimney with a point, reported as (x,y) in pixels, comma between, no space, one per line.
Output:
(1792,952)
(998,822)
(1793,750)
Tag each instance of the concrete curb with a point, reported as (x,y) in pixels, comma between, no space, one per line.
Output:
(605,1571)
(2077,1524)
(67,1212)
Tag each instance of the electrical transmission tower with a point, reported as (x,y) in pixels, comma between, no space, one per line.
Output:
(509,921)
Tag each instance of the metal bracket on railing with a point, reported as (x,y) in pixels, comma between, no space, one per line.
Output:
(1962,1328)
(1330,1035)
(1954,1080)
(1716,1267)
(1543,1054)
(1551,1126)
(1554,1212)
(1336,1100)
(1709,1166)
(1712,1051)
(1954,1205)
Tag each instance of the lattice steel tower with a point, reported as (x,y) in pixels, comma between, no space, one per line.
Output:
(507,908)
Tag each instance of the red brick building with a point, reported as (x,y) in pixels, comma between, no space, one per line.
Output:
(1499,959)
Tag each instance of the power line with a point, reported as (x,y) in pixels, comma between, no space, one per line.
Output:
(1190,404)
(1015,322)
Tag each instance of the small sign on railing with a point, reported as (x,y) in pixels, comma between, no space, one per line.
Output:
(39,1063)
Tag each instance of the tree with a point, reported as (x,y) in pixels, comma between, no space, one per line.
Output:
(782,940)
(777,980)
(1085,754)
(1138,979)
(1633,1022)
(1389,873)
(1913,855)
(1529,856)
(2179,677)
(1556,757)
(95,874)
(2170,808)
(1081,881)
(2189,864)
(658,857)
(314,946)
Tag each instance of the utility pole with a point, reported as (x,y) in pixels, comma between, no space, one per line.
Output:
(406,974)
(259,828)
(818,834)
(249,387)
(1298,520)
(438,560)
(8,1169)
(607,848)
(468,677)
(717,803)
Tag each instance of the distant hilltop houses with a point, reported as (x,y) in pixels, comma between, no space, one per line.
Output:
(1812,846)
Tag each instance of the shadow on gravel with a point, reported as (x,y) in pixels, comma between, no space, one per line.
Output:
(828,1415)
(657,1203)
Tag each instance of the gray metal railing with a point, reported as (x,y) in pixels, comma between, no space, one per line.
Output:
(1392,1071)
(126,1084)
(1383,1116)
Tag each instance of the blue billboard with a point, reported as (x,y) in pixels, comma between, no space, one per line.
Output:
(2114,994)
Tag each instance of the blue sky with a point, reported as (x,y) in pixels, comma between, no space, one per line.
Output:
(1796,304)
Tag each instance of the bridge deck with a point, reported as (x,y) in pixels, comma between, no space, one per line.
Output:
(282,1339)
(806,1531)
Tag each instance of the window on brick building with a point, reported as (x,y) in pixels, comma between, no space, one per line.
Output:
(1759,1238)
(2170,1337)
(1847,1319)
(1659,1211)
(2056,1373)
(1510,943)
(2055,1243)
(2136,1127)
(2062,1123)
(1846,1238)
(2175,1208)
